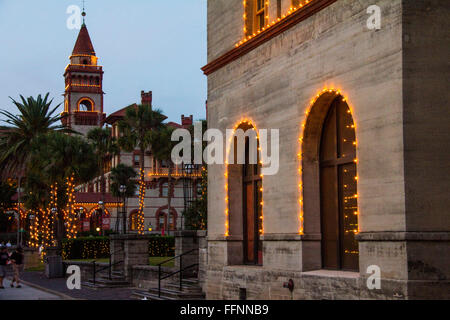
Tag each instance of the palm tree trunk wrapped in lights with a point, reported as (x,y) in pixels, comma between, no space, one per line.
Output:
(136,130)
(70,215)
(141,216)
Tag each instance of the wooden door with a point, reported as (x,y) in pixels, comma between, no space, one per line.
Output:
(338,189)
(252,210)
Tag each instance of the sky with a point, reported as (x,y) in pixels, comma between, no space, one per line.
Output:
(155,45)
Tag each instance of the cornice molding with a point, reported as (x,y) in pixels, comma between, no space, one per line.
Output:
(301,14)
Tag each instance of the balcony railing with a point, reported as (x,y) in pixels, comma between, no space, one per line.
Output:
(176,172)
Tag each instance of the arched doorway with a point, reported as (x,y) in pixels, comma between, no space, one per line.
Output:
(99,219)
(329,181)
(338,189)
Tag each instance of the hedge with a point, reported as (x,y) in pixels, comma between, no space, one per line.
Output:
(161,246)
(98,247)
(86,248)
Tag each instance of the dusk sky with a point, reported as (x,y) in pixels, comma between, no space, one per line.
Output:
(146,45)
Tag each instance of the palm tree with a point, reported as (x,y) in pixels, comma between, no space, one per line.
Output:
(136,130)
(162,149)
(36,118)
(123,175)
(63,160)
(105,145)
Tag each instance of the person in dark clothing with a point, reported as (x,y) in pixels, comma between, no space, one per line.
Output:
(17,261)
(4,257)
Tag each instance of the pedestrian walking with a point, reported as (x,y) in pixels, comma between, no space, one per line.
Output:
(4,258)
(17,260)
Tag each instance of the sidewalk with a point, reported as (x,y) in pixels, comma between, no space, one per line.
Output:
(25,293)
(59,286)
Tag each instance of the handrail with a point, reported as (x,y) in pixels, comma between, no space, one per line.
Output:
(176,257)
(180,271)
(104,268)
(174,273)
(107,267)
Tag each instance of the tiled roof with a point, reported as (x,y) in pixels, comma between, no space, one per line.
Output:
(92,197)
(84,43)
(119,114)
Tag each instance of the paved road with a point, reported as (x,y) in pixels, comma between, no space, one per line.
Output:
(24,293)
(60,286)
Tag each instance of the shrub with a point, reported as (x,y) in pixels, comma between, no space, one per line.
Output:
(86,248)
(98,247)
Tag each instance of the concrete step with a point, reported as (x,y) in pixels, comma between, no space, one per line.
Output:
(106,283)
(113,277)
(177,295)
(145,295)
(186,287)
(191,281)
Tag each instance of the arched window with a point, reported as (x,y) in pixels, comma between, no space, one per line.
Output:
(164,221)
(133,220)
(329,176)
(338,189)
(86,104)
(245,195)
(165,189)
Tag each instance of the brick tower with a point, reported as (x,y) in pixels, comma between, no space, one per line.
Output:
(83,96)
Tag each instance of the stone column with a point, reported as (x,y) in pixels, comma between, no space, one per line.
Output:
(186,241)
(202,256)
(135,252)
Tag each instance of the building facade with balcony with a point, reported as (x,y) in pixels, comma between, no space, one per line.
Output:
(83,108)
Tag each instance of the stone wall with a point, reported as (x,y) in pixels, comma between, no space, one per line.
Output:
(146,277)
(32,258)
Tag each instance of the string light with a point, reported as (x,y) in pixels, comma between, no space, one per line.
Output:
(250,123)
(140,214)
(34,230)
(268,25)
(336,93)
(70,217)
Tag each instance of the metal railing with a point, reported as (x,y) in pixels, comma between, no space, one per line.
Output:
(109,267)
(179,271)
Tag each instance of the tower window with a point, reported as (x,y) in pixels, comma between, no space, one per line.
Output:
(85,61)
(86,105)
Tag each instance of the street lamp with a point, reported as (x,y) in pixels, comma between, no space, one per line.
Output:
(79,215)
(57,226)
(123,191)
(80,212)
(101,205)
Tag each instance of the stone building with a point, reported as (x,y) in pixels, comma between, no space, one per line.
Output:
(363,121)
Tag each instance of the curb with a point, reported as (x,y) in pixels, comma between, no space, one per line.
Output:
(56,293)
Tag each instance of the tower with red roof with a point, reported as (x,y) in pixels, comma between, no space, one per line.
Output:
(83,96)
